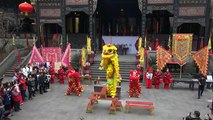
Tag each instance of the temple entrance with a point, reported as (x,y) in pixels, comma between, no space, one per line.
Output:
(50,30)
(118,17)
(198,33)
(158,26)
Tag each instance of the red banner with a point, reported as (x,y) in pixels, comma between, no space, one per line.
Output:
(51,54)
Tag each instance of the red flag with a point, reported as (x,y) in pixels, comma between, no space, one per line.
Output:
(19,58)
(35,56)
(156,43)
(42,40)
(201,43)
(66,59)
(27,42)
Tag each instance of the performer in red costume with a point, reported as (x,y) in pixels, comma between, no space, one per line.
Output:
(157,79)
(91,57)
(167,79)
(87,69)
(149,76)
(74,84)
(134,84)
(52,73)
(61,75)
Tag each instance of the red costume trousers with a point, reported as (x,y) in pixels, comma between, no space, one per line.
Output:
(148,83)
(166,86)
(52,79)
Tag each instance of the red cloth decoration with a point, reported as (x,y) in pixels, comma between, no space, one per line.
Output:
(19,58)
(156,43)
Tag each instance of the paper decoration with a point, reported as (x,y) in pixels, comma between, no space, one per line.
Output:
(83,57)
(201,58)
(66,59)
(182,46)
(89,45)
(163,57)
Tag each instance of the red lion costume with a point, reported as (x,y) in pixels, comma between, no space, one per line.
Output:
(61,75)
(74,84)
(134,84)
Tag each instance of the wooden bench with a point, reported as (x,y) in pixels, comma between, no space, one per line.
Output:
(102,94)
(138,104)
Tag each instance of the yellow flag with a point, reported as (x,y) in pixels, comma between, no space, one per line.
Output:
(83,57)
(89,45)
(139,43)
(141,53)
(14,42)
(34,39)
(169,42)
(210,43)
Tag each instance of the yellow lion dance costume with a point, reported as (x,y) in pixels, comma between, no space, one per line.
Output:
(110,63)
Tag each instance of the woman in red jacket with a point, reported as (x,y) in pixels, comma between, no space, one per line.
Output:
(23,86)
(167,79)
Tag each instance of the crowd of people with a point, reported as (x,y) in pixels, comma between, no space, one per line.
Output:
(25,85)
(122,49)
(196,116)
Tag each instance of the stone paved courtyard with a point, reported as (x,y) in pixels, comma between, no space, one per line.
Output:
(169,105)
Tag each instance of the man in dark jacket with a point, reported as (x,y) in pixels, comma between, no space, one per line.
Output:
(202,83)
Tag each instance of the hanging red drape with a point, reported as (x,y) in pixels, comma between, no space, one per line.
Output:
(201,43)
(27,41)
(156,43)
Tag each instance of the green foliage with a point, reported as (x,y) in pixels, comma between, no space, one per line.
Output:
(19,46)
(75,61)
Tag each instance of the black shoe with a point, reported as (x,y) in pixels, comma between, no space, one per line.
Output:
(198,98)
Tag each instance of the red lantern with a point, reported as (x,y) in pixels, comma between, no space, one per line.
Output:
(26,8)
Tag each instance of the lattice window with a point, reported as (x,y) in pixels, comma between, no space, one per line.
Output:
(160,1)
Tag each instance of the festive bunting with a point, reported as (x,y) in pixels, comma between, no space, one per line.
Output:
(182,46)
(163,57)
(35,56)
(66,59)
(201,58)
(89,45)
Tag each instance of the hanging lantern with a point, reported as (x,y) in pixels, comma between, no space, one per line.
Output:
(26,8)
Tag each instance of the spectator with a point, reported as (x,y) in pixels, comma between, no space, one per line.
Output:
(202,82)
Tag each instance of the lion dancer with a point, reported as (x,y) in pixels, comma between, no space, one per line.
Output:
(167,79)
(52,73)
(61,75)
(157,79)
(74,84)
(149,76)
(134,84)
(110,63)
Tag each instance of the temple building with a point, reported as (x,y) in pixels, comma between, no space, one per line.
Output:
(74,20)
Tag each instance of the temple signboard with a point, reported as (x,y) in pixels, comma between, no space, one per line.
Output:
(50,12)
(192,11)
